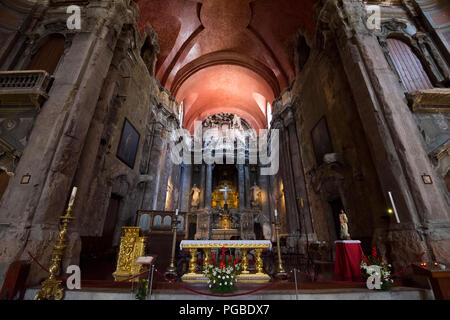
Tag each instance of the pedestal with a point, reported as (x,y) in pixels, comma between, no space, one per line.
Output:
(347,266)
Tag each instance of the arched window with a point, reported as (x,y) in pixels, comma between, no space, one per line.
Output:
(408,66)
(48,55)
(269,114)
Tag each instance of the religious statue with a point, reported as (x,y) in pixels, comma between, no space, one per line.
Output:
(236,124)
(344,226)
(267,230)
(225,220)
(255,201)
(195,193)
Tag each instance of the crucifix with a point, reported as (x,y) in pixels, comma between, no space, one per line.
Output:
(226,190)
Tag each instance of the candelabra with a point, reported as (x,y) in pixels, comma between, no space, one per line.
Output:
(171,269)
(52,288)
(280,270)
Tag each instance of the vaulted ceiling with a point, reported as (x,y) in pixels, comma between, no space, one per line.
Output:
(226,56)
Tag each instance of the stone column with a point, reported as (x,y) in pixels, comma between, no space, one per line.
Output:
(151,189)
(202,185)
(296,163)
(208,189)
(186,177)
(292,212)
(29,213)
(247,186)
(393,139)
(241,185)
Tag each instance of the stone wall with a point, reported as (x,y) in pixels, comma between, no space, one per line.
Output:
(101,80)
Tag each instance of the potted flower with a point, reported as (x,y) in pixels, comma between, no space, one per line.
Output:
(376,267)
(142,289)
(222,273)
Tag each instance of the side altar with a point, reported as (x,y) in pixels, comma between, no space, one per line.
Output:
(241,246)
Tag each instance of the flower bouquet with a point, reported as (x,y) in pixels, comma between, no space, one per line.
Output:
(222,274)
(375,267)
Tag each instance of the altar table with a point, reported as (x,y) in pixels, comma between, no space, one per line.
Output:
(242,245)
(347,265)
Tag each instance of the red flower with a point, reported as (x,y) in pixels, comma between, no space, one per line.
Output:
(222,264)
(365,259)
(374,252)
(223,252)
(213,255)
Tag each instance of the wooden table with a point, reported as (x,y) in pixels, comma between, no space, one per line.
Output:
(439,280)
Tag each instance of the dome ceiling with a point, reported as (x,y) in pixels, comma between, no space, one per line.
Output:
(226,56)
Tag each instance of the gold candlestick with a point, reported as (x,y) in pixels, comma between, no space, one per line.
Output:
(52,288)
(171,269)
(280,270)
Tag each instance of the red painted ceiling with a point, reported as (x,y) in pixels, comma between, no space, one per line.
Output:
(226,55)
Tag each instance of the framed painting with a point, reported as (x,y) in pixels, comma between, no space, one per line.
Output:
(129,144)
(321,140)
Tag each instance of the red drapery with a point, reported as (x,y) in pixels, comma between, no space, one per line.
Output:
(348,260)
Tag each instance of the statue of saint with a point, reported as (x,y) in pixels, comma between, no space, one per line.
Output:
(255,201)
(344,226)
(195,193)
(267,230)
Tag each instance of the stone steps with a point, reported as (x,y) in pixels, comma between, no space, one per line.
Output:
(397,293)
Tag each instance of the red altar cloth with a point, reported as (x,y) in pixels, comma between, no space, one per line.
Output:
(348,260)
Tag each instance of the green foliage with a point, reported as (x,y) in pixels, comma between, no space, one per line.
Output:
(142,290)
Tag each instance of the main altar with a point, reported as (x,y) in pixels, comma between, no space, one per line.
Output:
(240,247)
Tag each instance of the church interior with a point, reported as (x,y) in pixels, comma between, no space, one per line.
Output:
(90,118)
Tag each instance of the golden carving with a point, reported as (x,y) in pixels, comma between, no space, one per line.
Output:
(218,197)
(244,261)
(435,100)
(193,261)
(51,287)
(258,261)
(225,221)
(206,260)
(219,245)
(132,246)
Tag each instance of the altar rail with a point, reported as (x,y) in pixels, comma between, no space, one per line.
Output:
(160,221)
(23,91)
(243,245)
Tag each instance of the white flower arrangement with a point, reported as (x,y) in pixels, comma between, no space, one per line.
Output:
(375,267)
(222,274)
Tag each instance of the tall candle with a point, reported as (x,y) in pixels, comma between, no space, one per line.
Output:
(275,212)
(176,212)
(393,207)
(72,196)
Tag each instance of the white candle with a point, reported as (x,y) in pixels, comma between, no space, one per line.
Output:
(393,207)
(275,212)
(72,196)
(176,212)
